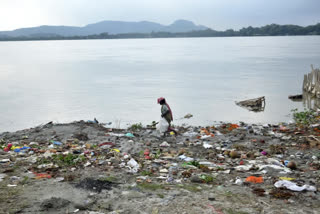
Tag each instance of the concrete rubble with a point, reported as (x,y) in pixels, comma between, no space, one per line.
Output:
(84,167)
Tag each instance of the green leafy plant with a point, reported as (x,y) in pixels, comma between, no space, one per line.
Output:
(207,178)
(136,127)
(68,160)
(194,163)
(305,117)
(158,154)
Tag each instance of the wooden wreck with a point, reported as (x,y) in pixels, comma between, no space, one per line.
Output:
(256,104)
(311,82)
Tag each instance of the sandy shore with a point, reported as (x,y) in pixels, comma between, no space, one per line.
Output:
(84,167)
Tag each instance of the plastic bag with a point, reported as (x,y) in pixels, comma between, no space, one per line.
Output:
(163,125)
(294,187)
(133,165)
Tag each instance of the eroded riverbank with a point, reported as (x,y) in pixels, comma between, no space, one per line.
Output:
(84,167)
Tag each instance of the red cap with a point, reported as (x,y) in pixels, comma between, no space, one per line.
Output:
(160,99)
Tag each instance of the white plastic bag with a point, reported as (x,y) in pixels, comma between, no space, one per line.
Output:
(133,165)
(294,187)
(163,125)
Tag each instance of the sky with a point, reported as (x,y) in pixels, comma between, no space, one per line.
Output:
(215,14)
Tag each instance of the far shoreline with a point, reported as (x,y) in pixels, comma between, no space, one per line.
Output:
(138,38)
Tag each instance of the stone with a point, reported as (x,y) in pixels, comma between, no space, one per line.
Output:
(196,179)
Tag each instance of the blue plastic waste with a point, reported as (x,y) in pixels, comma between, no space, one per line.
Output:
(20,149)
(93,121)
(57,143)
(129,135)
(286,162)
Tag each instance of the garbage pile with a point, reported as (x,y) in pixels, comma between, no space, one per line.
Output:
(273,162)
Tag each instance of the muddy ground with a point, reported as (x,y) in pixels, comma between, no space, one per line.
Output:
(84,167)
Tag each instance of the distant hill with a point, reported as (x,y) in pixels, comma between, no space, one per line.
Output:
(110,27)
(179,29)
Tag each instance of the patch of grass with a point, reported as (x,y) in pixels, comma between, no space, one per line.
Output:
(109,179)
(158,154)
(141,153)
(194,163)
(220,168)
(68,160)
(160,195)
(228,194)
(24,180)
(9,200)
(146,173)
(43,161)
(150,186)
(305,117)
(136,127)
(207,178)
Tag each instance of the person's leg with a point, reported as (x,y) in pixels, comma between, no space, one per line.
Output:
(170,129)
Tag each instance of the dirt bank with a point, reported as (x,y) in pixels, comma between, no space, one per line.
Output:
(84,167)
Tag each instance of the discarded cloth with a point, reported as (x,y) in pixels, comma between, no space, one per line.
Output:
(293,186)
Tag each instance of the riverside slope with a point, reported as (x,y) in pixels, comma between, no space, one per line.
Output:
(87,168)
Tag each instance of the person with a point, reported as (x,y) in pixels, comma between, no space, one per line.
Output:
(166,112)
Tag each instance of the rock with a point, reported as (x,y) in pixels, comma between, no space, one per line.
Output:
(195,179)
(81,206)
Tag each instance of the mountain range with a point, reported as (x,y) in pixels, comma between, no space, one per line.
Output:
(110,27)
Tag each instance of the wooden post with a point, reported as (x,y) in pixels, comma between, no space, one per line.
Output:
(311,82)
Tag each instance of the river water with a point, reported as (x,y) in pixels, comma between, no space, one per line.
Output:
(119,81)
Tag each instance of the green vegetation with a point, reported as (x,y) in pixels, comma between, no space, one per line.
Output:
(136,127)
(194,163)
(268,30)
(111,179)
(146,173)
(10,202)
(160,195)
(150,186)
(65,160)
(158,154)
(25,180)
(207,178)
(305,117)
(191,188)
(2,144)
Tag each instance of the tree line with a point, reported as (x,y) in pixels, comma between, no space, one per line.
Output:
(268,30)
